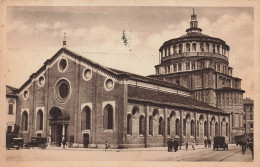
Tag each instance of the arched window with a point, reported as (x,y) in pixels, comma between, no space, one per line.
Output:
(213,50)
(24,121)
(184,127)
(177,127)
(227,132)
(141,125)
(108,117)
(194,47)
(207,47)
(169,126)
(216,129)
(192,127)
(205,129)
(197,128)
(160,126)
(39,123)
(218,49)
(201,47)
(174,49)
(129,124)
(86,118)
(187,47)
(150,125)
(210,129)
(180,48)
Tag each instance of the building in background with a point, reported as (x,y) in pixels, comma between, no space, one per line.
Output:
(201,63)
(249,117)
(11,102)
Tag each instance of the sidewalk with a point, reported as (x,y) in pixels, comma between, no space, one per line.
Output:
(130,149)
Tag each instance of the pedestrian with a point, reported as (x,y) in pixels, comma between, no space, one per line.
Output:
(169,145)
(176,145)
(107,146)
(251,147)
(243,145)
(193,145)
(63,143)
(209,143)
(186,145)
(205,143)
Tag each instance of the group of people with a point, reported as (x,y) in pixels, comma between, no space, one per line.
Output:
(173,144)
(207,143)
(247,144)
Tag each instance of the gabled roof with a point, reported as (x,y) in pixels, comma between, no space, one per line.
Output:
(11,91)
(158,97)
(117,73)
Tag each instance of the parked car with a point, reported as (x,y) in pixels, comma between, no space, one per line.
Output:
(219,142)
(16,143)
(36,142)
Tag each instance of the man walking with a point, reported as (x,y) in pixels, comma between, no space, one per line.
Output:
(169,145)
(209,143)
(186,145)
(205,143)
(176,145)
(63,143)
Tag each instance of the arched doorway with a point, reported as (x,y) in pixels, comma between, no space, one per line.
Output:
(58,120)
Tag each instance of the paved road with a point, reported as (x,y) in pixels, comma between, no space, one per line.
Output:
(58,154)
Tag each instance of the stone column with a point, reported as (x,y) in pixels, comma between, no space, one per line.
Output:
(165,127)
(146,135)
(49,137)
(181,125)
(195,123)
(208,128)
(63,132)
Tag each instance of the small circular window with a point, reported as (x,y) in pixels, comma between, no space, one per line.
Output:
(87,73)
(62,90)
(25,94)
(41,80)
(63,64)
(109,84)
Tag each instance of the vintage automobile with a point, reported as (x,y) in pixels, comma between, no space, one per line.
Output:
(16,143)
(36,142)
(219,142)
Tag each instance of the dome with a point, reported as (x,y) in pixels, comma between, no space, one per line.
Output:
(193,51)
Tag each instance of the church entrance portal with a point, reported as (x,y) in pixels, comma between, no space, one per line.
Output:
(86,140)
(59,120)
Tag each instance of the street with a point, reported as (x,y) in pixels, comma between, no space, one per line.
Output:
(137,154)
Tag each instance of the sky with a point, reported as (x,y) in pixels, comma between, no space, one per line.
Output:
(35,34)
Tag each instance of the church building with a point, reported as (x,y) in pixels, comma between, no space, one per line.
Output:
(75,99)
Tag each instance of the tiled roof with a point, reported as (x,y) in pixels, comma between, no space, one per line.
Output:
(230,89)
(11,91)
(158,97)
(151,80)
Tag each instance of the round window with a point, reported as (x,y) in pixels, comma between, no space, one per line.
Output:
(62,90)
(41,80)
(109,83)
(87,74)
(26,94)
(63,64)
